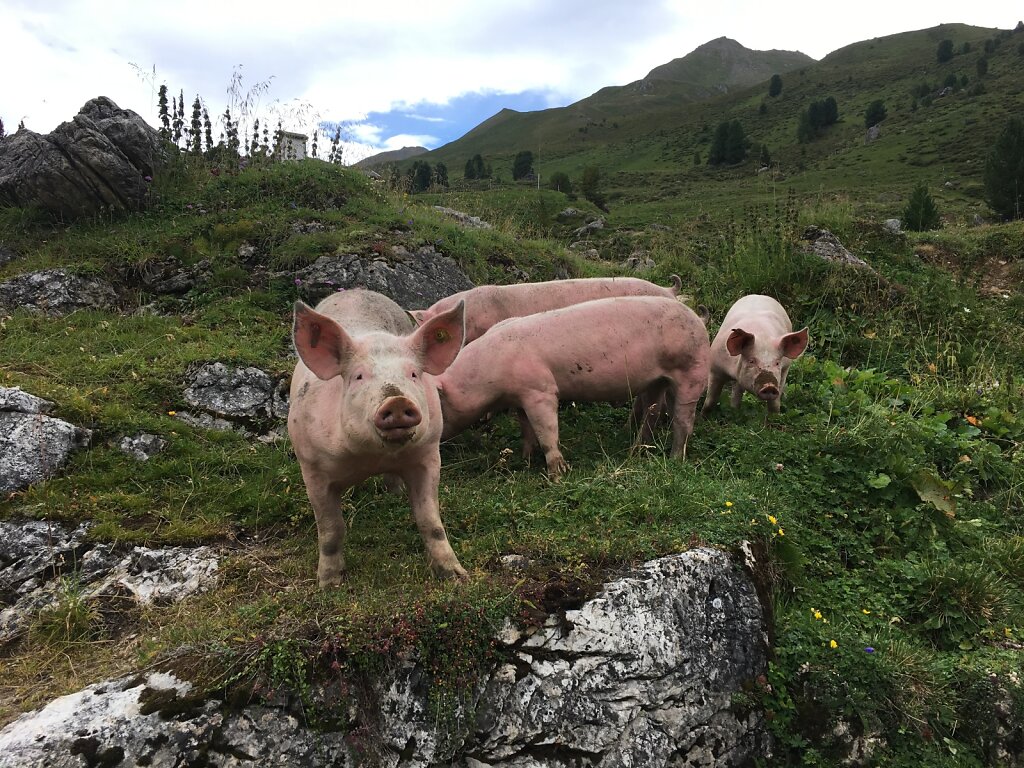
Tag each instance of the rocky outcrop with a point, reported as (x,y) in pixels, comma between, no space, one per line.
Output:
(825,245)
(641,674)
(470,222)
(33,445)
(103,159)
(415,280)
(55,292)
(142,446)
(34,554)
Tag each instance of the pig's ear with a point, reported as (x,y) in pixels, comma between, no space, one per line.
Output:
(322,344)
(738,341)
(416,315)
(439,339)
(792,345)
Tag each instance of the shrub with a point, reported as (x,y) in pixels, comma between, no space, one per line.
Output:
(875,113)
(560,182)
(921,213)
(775,85)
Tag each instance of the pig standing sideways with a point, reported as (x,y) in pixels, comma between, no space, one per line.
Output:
(363,402)
(753,349)
(490,304)
(604,350)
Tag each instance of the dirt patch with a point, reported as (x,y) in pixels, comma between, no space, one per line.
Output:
(990,275)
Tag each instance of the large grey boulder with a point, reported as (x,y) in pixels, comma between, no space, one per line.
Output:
(33,445)
(97,161)
(415,280)
(55,292)
(643,674)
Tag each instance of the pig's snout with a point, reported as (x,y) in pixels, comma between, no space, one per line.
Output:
(396,418)
(766,386)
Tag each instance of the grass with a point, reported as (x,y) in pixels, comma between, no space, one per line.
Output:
(887,494)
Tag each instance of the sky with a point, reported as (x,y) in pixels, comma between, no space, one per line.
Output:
(402,72)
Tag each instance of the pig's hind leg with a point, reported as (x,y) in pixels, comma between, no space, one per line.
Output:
(683,398)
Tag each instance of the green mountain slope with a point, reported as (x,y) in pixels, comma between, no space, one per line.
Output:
(722,64)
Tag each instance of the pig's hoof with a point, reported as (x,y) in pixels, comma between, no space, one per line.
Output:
(335,580)
(450,571)
(556,469)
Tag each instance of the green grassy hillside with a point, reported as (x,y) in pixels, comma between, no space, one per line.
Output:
(887,496)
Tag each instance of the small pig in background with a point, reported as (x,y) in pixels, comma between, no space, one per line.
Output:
(607,350)
(363,403)
(490,304)
(753,349)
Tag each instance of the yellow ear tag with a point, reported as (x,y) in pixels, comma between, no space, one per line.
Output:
(441,336)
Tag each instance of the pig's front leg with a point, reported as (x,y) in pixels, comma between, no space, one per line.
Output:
(715,383)
(684,412)
(542,412)
(737,395)
(325,496)
(422,481)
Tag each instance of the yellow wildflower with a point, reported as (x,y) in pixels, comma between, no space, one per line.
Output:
(773,520)
(865,611)
(172,413)
(728,503)
(833,644)
(781,532)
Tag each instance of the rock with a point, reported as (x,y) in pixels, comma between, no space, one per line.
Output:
(56,292)
(18,400)
(169,276)
(659,228)
(825,245)
(33,446)
(589,227)
(29,549)
(638,261)
(643,674)
(569,213)
(245,394)
(7,255)
(103,159)
(137,721)
(142,446)
(471,222)
(307,227)
(893,225)
(874,133)
(34,553)
(414,280)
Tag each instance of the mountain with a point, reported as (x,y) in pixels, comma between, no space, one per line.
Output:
(392,156)
(651,139)
(724,64)
(717,67)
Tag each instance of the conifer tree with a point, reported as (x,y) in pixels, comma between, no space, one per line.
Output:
(775,85)
(316,134)
(921,213)
(1004,171)
(266,139)
(1,129)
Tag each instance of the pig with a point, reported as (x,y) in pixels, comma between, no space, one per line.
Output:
(490,304)
(364,402)
(603,350)
(753,349)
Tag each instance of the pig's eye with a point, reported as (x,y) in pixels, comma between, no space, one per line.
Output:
(359,377)
(414,374)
